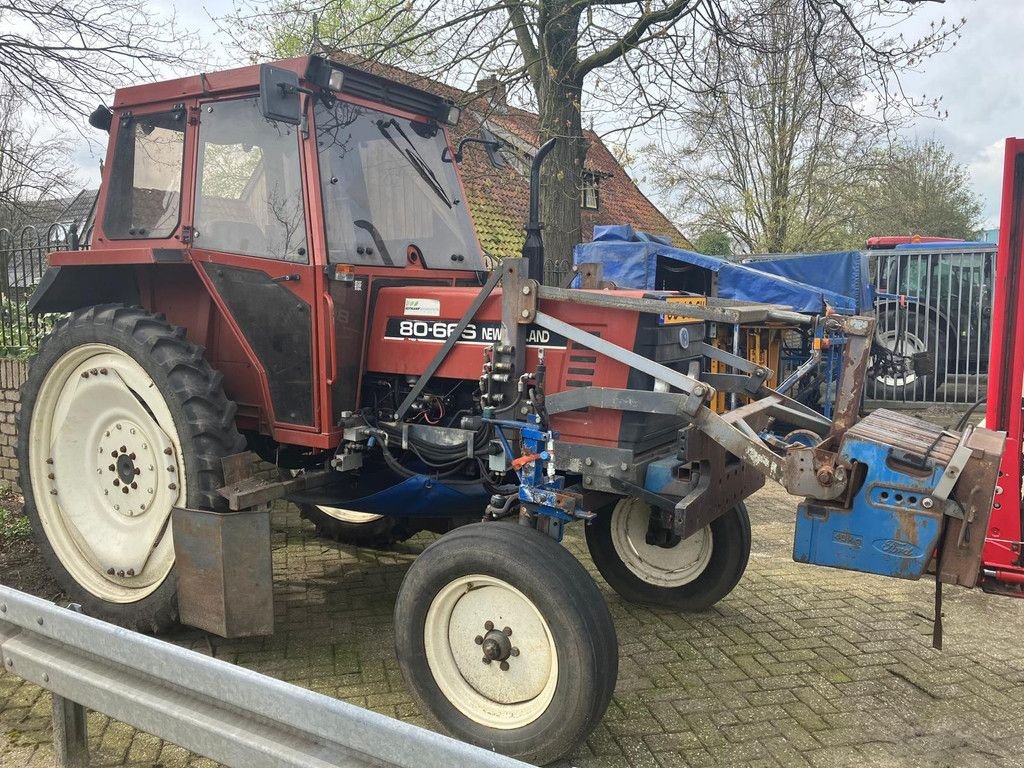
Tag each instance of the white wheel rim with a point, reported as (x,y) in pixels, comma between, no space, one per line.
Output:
(659,566)
(350,515)
(487,693)
(907,345)
(96,408)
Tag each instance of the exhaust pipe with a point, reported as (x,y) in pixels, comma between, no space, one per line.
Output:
(533,248)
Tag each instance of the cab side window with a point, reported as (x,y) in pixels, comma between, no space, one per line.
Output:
(144,200)
(249,188)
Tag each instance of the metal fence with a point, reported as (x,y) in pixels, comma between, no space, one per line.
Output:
(934,325)
(22,263)
(230,714)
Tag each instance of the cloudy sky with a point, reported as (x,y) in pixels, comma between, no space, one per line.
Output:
(978,80)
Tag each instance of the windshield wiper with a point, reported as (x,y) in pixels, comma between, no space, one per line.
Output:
(415,159)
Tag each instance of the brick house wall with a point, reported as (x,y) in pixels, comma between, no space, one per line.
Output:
(12,377)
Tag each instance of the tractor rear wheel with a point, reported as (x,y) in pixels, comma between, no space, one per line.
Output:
(360,529)
(646,565)
(506,642)
(121,420)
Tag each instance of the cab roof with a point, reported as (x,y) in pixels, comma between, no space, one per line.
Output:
(357,82)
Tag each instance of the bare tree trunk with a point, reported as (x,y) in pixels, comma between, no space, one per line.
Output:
(561,174)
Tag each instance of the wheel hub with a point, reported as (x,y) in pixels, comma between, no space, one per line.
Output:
(125,467)
(478,618)
(128,468)
(653,553)
(497,645)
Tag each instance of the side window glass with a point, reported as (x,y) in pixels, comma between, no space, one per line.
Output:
(249,189)
(144,198)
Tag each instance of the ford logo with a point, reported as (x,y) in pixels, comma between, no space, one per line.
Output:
(897,548)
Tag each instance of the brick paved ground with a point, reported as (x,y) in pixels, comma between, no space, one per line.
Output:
(798,666)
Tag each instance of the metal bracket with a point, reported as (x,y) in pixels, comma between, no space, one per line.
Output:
(961,455)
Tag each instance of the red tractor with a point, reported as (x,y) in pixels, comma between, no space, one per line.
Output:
(284,263)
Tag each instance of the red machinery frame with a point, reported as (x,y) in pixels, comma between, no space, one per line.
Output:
(1002,557)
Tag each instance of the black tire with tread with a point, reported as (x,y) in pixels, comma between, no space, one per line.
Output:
(571,604)
(377,534)
(202,413)
(731,541)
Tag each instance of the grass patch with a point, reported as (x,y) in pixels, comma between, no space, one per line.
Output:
(13,524)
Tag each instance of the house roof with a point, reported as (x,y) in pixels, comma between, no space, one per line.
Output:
(499,198)
(42,214)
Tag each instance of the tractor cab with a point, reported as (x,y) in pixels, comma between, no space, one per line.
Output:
(295,190)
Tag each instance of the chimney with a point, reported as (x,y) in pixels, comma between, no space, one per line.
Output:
(493,90)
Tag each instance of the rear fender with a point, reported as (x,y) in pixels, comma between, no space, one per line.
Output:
(64,288)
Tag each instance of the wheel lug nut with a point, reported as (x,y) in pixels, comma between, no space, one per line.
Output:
(134,486)
(514,652)
(132,456)
(488,625)
(118,426)
(478,640)
(124,449)
(507,631)
(486,660)
(116,482)
(138,471)
(167,451)
(112,468)
(110,571)
(113,454)
(504,666)
(125,489)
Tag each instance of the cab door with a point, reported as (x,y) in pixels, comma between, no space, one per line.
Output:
(250,241)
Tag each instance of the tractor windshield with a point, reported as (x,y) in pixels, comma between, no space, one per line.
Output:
(386,190)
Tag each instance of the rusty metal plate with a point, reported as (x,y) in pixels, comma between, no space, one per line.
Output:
(723,482)
(225,574)
(963,539)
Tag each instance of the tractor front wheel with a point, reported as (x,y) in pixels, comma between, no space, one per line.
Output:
(506,642)
(121,421)
(652,566)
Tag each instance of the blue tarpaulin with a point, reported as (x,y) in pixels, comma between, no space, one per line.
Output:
(629,259)
(843,272)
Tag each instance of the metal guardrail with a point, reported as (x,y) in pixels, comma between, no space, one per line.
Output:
(208,706)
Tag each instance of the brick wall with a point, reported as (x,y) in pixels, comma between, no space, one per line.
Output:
(12,376)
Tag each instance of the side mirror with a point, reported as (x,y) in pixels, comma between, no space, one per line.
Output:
(490,142)
(493,147)
(279,95)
